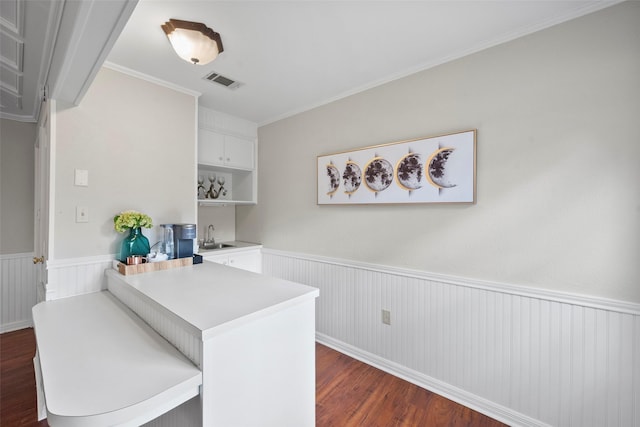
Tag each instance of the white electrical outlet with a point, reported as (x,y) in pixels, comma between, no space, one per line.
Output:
(386,317)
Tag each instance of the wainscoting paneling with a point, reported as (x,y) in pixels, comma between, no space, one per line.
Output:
(17,291)
(183,336)
(76,276)
(524,356)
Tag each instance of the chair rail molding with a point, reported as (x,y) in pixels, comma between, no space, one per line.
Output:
(528,291)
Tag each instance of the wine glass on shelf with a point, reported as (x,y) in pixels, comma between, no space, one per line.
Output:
(212,180)
(221,181)
(201,194)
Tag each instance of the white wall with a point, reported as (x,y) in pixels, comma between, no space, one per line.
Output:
(137,140)
(16,180)
(558,199)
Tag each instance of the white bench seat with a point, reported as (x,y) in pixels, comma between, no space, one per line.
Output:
(101,365)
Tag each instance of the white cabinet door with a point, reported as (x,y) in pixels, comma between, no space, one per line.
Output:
(219,259)
(224,150)
(250,260)
(210,148)
(238,152)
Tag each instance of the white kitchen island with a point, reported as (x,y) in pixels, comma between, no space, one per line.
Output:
(253,337)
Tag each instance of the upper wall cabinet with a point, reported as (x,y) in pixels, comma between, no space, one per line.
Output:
(216,149)
(227,149)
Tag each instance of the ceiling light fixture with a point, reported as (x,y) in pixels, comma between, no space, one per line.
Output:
(194,42)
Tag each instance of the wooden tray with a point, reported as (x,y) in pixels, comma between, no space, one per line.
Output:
(153,266)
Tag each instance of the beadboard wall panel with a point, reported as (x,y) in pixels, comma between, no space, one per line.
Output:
(76,276)
(183,336)
(17,291)
(523,356)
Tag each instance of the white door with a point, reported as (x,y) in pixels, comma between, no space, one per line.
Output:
(41,202)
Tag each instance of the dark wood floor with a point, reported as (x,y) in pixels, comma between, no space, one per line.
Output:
(348,393)
(17,382)
(352,393)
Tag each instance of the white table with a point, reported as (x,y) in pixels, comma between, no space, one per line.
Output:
(101,365)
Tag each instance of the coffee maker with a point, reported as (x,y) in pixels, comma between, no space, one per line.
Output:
(183,235)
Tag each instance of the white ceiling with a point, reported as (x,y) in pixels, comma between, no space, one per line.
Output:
(294,55)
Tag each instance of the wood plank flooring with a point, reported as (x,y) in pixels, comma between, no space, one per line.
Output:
(17,381)
(348,393)
(352,393)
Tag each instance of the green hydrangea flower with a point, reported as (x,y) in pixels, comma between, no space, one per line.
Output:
(131,219)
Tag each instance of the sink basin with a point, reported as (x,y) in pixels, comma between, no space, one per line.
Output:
(209,245)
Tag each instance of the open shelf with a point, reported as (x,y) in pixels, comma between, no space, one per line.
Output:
(240,184)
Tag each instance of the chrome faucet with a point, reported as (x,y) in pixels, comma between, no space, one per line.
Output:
(209,237)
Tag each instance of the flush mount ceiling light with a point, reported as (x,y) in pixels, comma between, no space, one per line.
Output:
(193,41)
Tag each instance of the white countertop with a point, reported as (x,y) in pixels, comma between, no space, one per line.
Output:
(101,365)
(214,298)
(236,246)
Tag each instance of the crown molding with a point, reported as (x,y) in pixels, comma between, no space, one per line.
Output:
(150,79)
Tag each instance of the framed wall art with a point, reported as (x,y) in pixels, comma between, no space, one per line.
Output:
(439,169)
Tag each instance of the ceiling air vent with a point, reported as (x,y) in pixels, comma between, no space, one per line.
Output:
(222,80)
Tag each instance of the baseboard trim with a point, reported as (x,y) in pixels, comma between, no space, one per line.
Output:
(15,326)
(460,396)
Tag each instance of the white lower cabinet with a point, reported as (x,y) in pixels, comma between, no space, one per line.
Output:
(250,260)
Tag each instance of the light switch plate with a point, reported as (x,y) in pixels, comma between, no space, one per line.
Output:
(82,178)
(82,214)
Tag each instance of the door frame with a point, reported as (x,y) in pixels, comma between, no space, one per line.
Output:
(43,197)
